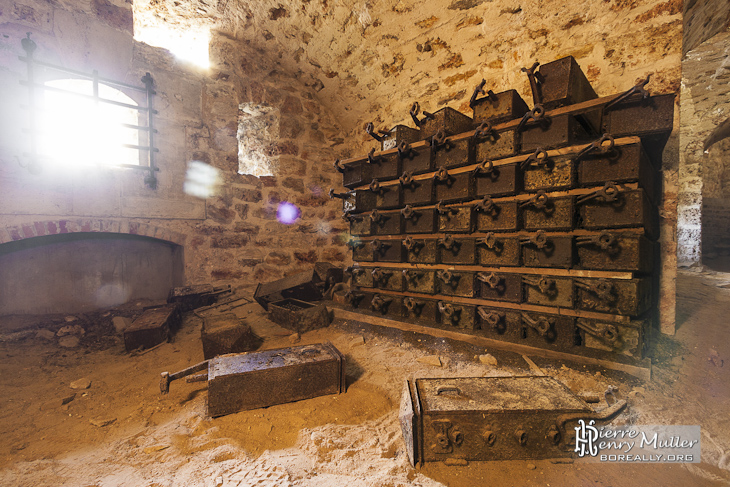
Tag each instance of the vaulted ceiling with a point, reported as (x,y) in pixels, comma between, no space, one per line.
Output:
(369,60)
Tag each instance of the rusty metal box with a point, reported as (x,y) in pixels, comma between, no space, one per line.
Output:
(195,296)
(362,251)
(456,315)
(499,107)
(554,132)
(499,323)
(387,223)
(361,276)
(299,316)
(629,339)
(385,304)
(416,191)
(552,174)
(385,166)
(420,281)
(302,285)
(452,186)
(360,225)
(452,153)
(398,135)
(626,297)
(448,120)
(622,164)
(227,333)
(239,382)
(415,160)
(497,144)
(388,279)
(500,287)
(549,331)
(553,251)
(563,83)
(491,418)
(359,299)
(152,327)
(454,219)
(355,173)
(641,116)
(386,196)
(418,221)
(456,283)
(543,212)
(425,311)
(456,250)
(493,250)
(360,201)
(624,209)
(548,291)
(421,251)
(501,180)
(388,250)
(615,252)
(496,217)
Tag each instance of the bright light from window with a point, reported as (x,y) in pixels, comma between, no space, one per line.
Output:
(75,130)
(189,44)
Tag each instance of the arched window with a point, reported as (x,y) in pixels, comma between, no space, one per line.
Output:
(78,126)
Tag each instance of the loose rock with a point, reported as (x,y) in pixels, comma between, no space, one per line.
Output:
(357,341)
(121,323)
(295,338)
(156,448)
(45,334)
(70,330)
(531,466)
(434,360)
(488,359)
(102,422)
(68,341)
(81,384)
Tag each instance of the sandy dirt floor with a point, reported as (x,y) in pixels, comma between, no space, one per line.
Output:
(120,431)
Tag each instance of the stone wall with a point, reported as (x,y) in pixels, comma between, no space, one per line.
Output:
(703,19)
(705,104)
(232,237)
(345,64)
(715,227)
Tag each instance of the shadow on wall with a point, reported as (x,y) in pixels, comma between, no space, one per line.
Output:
(82,272)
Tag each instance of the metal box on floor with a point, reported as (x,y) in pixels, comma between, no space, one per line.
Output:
(491,418)
(227,333)
(152,327)
(239,382)
(299,316)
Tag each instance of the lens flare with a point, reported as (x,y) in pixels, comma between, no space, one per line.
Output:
(287,213)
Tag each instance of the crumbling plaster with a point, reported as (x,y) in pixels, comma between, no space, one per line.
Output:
(347,63)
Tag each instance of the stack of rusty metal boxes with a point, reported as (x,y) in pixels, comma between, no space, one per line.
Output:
(536,226)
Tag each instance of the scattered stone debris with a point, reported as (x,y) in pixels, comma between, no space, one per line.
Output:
(715,359)
(531,466)
(357,341)
(488,359)
(102,422)
(294,338)
(156,448)
(70,319)
(434,360)
(68,399)
(121,323)
(45,334)
(83,383)
(70,330)
(69,341)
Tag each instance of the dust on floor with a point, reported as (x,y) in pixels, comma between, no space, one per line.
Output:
(120,431)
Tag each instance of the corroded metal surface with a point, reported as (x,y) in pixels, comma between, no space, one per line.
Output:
(494,250)
(456,283)
(456,315)
(555,173)
(499,107)
(555,252)
(299,316)
(152,327)
(497,145)
(451,121)
(624,209)
(496,217)
(563,83)
(492,418)
(302,285)
(549,291)
(421,251)
(455,219)
(555,132)
(490,180)
(548,213)
(500,287)
(420,281)
(418,220)
(227,333)
(452,153)
(627,297)
(615,251)
(457,250)
(240,382)
(452,187)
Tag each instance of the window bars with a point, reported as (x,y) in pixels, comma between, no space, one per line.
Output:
(145,126)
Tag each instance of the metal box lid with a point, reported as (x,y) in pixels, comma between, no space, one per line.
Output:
(497,394)
(231,364)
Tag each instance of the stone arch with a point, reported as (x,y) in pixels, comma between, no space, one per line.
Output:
(23,231)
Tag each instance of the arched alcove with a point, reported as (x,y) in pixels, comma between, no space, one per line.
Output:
(84,271)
